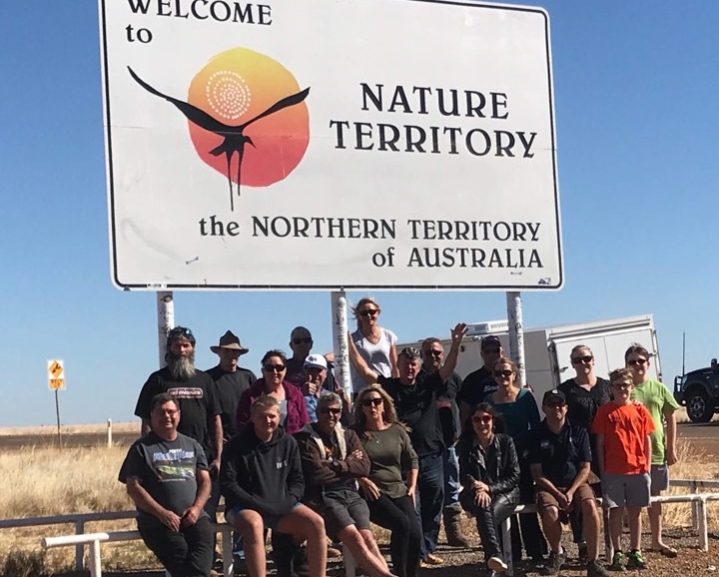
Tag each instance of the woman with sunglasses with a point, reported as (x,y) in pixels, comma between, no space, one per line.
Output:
(293,413)
(489,471)
(376,345)
(392,458)
(519,411)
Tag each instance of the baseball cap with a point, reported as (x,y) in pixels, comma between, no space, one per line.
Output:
(316,361)
(554,396)
(491,341)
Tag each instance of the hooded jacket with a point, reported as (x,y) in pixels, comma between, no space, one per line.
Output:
(265,477)
(336,472)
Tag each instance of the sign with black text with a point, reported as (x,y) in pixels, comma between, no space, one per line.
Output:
(360,144)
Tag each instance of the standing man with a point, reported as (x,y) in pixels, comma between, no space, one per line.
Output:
(194,392)
(432,361)
(416,398)
(301,345)
(662,406)
(231,380)
(560,460)
(167,479)
(478,384)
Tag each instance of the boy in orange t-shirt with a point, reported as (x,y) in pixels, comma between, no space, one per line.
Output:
(624,449)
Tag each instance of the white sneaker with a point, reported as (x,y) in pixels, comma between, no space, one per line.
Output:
(497,565)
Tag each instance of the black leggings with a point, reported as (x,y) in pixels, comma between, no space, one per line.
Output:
(399,516)
(489,522)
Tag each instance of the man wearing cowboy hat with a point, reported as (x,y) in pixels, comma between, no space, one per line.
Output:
(231,380)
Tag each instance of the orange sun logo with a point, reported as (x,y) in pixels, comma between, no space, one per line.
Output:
(247,117)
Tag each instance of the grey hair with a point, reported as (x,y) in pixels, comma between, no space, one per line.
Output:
(327,398)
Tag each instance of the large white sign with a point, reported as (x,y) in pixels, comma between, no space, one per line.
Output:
(330,143)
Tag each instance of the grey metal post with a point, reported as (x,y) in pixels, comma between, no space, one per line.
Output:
(165,321)
(516,335)
(79,548)
(339,339)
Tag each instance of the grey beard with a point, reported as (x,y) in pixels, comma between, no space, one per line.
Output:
(181,368)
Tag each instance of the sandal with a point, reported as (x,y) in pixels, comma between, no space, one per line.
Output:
(666,551)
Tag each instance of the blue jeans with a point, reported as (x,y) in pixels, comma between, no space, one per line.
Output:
(451,477)
(430,500)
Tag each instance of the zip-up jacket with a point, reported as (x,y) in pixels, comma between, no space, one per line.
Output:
(265,477)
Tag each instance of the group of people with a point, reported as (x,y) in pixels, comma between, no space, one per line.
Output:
(293,453)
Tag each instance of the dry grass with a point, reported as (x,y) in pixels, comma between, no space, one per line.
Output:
(46,481)
(99,429)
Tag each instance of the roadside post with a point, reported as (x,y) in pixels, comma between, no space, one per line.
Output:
(56,382)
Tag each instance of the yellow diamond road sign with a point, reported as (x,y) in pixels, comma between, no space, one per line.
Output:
(56,374)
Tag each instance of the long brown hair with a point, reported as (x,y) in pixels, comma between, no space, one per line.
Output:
(359,421)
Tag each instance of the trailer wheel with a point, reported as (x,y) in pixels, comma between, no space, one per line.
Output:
(699,408)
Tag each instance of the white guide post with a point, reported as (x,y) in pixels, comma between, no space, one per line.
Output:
(165,321)
(339,339)
(516,335)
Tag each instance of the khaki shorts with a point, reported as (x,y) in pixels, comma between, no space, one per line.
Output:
(546,499)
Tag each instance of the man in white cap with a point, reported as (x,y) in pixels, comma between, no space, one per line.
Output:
(231,379)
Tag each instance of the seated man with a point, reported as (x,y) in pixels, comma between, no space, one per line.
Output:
(332,460)
(560,460)
(167,478)
(261,480)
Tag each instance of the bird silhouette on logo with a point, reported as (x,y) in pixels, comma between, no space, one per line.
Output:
(234,137)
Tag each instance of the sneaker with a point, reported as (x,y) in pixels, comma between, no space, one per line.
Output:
(431,559)
(619,561)
(635,560)
(496,565)
(554,563)
(596,569)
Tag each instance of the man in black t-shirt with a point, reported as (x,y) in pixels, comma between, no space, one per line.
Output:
(417,399)
(301,344)
(231,380)
(560,460)
(478,384)
(167,479)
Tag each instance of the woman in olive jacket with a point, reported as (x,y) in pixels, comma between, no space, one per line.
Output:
(489,471)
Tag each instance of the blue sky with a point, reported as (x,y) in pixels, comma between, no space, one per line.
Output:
(636,121)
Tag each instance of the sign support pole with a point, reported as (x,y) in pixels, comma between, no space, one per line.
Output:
(339,339)
(57,414)
(165,322)
(516,335)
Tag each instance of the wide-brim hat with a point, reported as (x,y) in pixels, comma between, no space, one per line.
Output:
(231,342)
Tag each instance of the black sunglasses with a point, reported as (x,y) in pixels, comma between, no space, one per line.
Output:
(329,411)
(586,359)
(369,312)
(505,374)
(635,362)
(274,368)
(376,401)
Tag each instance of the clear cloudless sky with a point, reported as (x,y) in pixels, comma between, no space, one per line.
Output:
(636,87)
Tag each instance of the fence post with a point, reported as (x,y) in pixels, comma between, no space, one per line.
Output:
(80,548)
(703,536)
(95,564)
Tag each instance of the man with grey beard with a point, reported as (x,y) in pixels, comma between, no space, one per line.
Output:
(194,392)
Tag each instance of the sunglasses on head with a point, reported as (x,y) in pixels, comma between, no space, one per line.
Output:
(329,411)
(302,341)
(368,312)
(586,359)
(274,368)
(483,419)
(635,362)
(374,401)
(506,373)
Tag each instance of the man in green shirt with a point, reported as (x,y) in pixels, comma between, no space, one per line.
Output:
(662,406)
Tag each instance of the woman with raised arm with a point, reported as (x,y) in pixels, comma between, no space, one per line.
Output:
(375,344)
(391,499)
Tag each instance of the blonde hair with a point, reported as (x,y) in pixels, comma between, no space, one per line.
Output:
(362,302)
(622,375)
(359,421)
(263,403)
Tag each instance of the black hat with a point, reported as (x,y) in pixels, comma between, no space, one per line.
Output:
(491,340)
(551,397)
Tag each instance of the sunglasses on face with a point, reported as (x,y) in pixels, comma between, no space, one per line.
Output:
(274,368)
(491,351)
(369,312)
(302,341)
(586,359)
(636,362)
(555,405)
(482,419)
(375,401)
(329,411)
(506,374)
